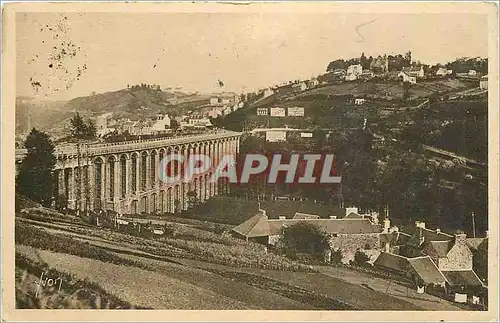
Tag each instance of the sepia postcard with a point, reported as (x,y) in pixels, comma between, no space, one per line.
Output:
(250,161)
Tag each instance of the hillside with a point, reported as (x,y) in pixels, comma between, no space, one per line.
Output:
(137,103)
(134,103)
(331,106)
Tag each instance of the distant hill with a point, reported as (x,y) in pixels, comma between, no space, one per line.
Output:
(138,102)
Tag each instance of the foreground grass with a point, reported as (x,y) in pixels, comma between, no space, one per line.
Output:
(135,285)
(74,293)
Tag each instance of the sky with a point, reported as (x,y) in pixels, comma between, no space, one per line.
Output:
(62,56)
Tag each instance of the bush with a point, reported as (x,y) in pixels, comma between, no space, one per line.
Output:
(361,259)
(304,237)
(336,256)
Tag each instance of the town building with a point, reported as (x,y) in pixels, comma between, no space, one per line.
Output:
(312,83)
(199,122)
(102,124)
(414,71)
(162,124)
(268,92)
(483,82)
(450,254)
(442,71)
(300,86)
(349,234)
(407,78)
(359,101)
(224,98)
(353,72)
(472,73)
(422,271)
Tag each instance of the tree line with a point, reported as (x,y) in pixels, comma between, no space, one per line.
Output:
(397,62)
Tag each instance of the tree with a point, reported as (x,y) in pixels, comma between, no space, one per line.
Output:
(192,198)
(361,259)
(365,63)
(34,179)
(80,129)
(174,125)
(304,237)
(408,58)
(337,64)
(406,89)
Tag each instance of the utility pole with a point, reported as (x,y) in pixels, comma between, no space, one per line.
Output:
(473,226)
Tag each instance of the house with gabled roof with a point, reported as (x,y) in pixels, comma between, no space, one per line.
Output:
(414,71)
(422,271)
(452,255)
(348,234)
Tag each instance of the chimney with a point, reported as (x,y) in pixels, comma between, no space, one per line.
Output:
(375,217)
(351,210)
(387,225)
(420,235)
(438,230)
(393,229)
(419,224)
(333,216)
(460,238)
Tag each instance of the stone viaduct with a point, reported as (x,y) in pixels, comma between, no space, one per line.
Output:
(124,176)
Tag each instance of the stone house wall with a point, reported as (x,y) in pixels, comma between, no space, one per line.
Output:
(458,258)
(350,243)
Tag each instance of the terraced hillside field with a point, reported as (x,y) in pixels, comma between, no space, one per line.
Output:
(119,270)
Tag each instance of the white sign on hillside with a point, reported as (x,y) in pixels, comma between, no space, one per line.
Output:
(295,112)
(278,112)
(274,136)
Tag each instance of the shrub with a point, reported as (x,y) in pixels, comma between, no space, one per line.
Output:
(336,256)
(361,259)
(304,237)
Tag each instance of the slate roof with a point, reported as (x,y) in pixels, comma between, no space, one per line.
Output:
(438,248)
(353,215)
(256,226)
(429,235)
(426,269)
(392,261)
(474,243)
(337,226)
(260,226)
(395,238)
(462,278)
(300,215)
